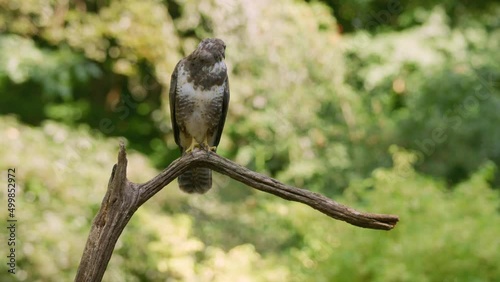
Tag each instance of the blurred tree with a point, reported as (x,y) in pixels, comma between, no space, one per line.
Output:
(376,15)
(436,239)
(313,106)
(56,203)
(103,65)
(431,89)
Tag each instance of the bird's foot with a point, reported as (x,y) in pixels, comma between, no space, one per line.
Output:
(207,147)
(193,145)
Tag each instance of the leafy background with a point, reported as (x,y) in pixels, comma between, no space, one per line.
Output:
(388,106)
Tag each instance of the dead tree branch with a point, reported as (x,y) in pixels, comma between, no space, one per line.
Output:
(123,198)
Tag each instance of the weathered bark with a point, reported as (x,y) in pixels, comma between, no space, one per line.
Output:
(123,198)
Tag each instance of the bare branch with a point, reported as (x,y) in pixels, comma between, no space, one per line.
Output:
(123,198)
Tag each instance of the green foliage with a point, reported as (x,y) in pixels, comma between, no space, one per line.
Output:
(56,200)
(435,92)
(311,106)
(55,72)
(105,54)
(438,226)
(56,203)
(443,234)
(378,15)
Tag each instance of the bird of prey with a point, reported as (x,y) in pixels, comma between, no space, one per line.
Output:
(199,98)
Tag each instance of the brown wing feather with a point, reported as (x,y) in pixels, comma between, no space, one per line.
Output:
(225,105)
(172,96)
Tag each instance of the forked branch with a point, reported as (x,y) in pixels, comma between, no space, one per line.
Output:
(123,198)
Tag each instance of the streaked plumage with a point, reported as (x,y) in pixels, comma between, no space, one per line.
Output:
(199,98)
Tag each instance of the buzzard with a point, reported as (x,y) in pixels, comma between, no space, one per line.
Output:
(199,98)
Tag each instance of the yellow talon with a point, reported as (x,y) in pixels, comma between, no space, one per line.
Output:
(193,145)
(207,146)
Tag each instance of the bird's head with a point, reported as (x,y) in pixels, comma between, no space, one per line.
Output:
(211,49)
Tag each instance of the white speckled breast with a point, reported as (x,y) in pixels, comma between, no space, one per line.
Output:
(200,108)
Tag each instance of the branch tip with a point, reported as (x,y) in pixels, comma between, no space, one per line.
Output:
(122,154)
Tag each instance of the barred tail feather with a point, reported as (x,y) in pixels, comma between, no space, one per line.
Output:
(196,180)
